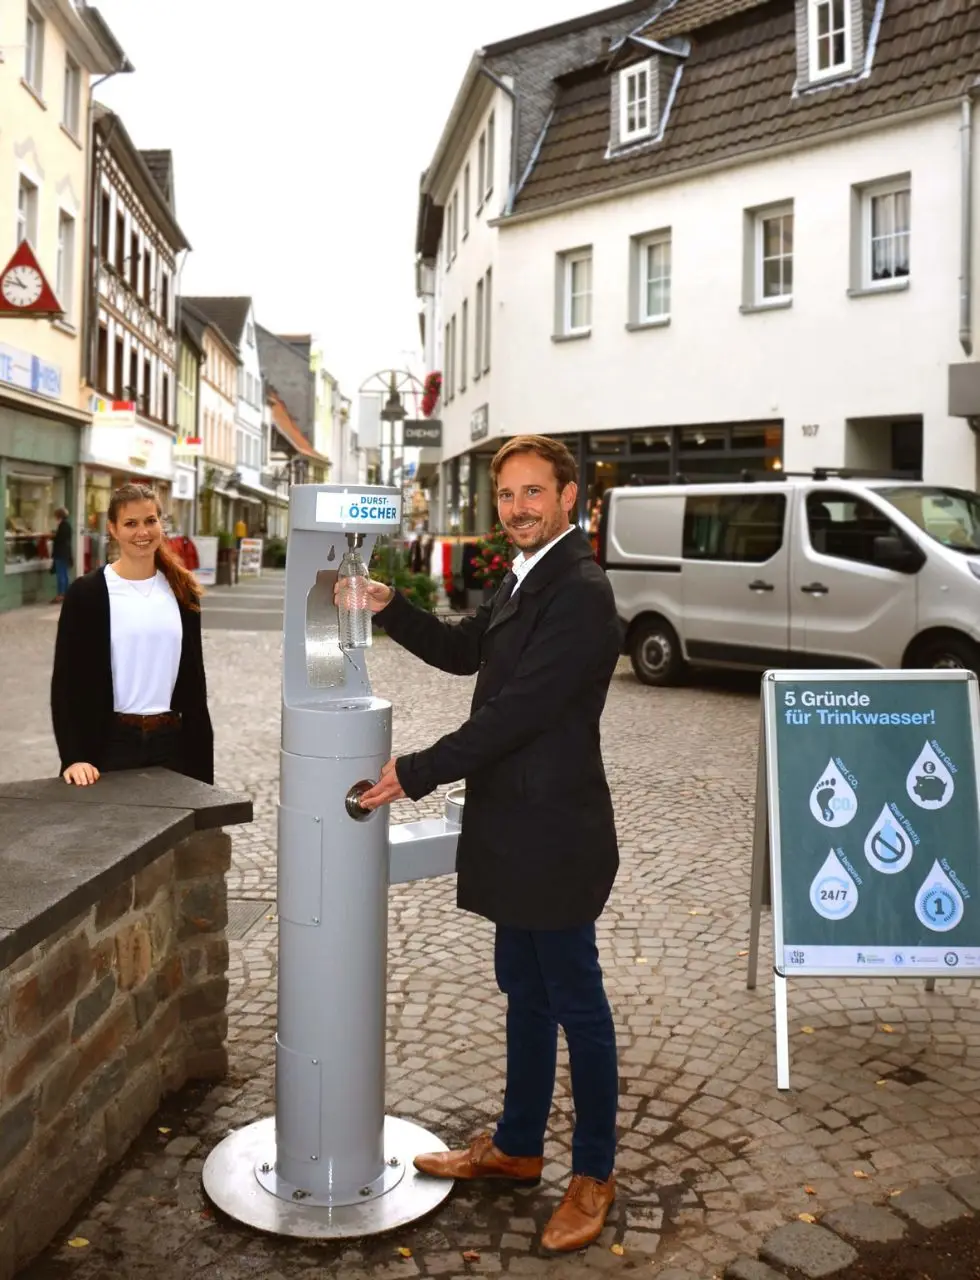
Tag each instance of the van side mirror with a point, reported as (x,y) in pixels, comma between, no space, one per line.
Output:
(895,553)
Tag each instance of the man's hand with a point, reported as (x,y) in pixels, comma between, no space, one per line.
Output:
(81,774)
(379,595)
(385,790)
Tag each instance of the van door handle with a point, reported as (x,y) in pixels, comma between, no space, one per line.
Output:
(759,585)
(815,589)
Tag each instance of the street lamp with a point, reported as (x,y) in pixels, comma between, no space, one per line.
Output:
(394,411)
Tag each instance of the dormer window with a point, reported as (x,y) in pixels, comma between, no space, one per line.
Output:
(831,52)
(636,106)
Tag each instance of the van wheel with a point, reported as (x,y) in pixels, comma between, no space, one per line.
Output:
(950,652)
(655,653)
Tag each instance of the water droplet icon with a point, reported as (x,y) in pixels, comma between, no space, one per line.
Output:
(833,894)
(886,846)
(832,800)
(930,783)
(938,904)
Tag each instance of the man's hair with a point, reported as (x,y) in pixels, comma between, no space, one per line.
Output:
(553,451)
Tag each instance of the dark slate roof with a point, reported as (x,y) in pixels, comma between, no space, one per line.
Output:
(682,17)
(161,166)
(191,311)
(228,314)
(735,95)
(193,323)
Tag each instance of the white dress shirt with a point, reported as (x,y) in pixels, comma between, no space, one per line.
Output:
(145,639)
(523,565)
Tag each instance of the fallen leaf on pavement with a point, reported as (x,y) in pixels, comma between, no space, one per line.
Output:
(886,1026)
(806,1217)
(471,1255)
(881,1082)
(807,1031)
(641,959)
(896,1191)
(618,1249)
(77,1242)
(694,912)
(859,1173)
(811,1191)
(743,953)
(404,1253)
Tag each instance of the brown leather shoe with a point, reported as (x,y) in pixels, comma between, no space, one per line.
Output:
(580,1217)
(481,1159)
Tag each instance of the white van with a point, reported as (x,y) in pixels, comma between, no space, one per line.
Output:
(821,571)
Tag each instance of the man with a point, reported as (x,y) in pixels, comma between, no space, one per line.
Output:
(62,556)
(537,852)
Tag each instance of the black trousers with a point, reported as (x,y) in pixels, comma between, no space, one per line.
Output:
(133,748)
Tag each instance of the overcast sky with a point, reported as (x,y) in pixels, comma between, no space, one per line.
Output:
(299,130)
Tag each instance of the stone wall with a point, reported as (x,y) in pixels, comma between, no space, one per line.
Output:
(97,1023)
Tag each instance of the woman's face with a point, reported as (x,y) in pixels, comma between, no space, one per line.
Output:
(137,530)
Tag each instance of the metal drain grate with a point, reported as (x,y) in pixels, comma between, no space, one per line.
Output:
(243,914)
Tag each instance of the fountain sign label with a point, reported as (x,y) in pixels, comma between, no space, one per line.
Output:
(871,803)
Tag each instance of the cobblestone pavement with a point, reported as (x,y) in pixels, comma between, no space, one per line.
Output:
(712,1157)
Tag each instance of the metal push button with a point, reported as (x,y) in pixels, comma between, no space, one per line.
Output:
(352,803)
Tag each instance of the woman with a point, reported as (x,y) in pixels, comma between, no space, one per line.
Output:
(128,689)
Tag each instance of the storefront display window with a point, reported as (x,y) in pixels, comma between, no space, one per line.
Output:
(29,521)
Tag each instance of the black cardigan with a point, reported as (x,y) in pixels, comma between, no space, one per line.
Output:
(81,684)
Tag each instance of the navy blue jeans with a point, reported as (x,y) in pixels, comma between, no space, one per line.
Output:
(552,978)
(61,568)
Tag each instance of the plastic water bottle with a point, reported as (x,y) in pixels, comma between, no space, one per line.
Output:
(354,608)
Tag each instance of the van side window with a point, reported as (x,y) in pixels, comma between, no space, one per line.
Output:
(841,525)
(743,527)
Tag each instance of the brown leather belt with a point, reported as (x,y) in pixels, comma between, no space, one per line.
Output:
(163,720)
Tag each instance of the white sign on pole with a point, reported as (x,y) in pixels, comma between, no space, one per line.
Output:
(355,509)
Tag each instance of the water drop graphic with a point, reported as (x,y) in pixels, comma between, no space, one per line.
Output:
(930,783)
(833,894)
(938,903)
(832,800)
(886,846)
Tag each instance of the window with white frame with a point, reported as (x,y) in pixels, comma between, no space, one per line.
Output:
(655,278)
(26,211)
(72,95)
(886,233)
(575,278)
(464,343)
(455,222)
(66,260)
(830,38)
(478,332)
(481,170)
(635,105)
(34,50)
(466,202)
(491,131)
(452,357)
(774,256)
(487,319)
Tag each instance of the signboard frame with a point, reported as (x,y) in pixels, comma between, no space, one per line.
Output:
(766,877)
(250,557)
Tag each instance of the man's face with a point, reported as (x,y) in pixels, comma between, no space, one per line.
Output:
(529,504)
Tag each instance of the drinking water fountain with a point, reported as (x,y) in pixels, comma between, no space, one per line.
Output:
(330,1164)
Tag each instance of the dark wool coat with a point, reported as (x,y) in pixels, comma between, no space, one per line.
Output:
(81,685)
(538,844)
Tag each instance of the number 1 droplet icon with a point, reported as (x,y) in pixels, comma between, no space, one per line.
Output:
(939,904)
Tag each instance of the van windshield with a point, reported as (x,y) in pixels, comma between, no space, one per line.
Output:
(950,516)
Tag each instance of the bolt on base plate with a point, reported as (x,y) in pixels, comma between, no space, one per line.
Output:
(234,1180)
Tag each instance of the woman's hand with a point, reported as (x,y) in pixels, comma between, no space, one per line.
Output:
(379,595)
(81,775)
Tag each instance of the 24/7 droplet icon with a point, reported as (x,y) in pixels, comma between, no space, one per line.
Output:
(832,800)
(833,893)
(939,904)
(887,848)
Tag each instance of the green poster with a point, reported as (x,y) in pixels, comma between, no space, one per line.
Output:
(875,821)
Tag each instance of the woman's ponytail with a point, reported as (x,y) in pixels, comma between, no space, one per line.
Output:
(186,588)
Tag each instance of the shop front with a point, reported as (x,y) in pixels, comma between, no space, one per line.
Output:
(610,459)
(39,450)
(120,447)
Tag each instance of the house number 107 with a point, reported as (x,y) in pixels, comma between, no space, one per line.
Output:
(811,428)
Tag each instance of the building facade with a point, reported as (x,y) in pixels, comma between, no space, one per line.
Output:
(739,246)
(130,378)
(218,401)
(470,185)
(189,445)
(47,58)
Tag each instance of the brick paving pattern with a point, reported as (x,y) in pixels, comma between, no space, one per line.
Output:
(712,1157)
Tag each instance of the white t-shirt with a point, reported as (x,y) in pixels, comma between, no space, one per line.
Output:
(145,639)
